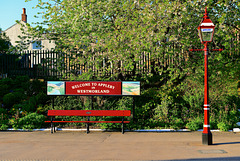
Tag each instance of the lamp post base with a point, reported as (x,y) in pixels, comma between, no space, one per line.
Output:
(207,138)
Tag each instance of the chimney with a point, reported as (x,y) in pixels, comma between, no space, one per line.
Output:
(24,16)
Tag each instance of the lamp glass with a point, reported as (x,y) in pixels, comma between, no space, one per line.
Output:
(206,34)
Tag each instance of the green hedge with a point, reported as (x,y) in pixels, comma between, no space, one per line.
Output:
(167,105)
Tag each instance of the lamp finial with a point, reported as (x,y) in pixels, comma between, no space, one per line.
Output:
(206,14)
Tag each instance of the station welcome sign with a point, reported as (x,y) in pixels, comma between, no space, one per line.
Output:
(94,88)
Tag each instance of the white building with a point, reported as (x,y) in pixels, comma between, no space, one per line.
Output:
(15,31)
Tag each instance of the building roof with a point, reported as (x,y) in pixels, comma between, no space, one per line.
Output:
(22,22)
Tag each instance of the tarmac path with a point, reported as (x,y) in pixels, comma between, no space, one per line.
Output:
(64,145)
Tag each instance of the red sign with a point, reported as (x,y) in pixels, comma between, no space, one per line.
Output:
(93,88)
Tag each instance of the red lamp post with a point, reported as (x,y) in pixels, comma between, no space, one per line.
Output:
(206,30)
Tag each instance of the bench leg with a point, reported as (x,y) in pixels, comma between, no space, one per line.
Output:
(54,128)
(87,128)
(51,125)
(122,126)
(88,125)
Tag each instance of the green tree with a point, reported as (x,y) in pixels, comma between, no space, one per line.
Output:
(4,42)
(123,30)
(119,30)
(112,36)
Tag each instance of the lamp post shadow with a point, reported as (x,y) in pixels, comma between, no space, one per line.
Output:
(227,143)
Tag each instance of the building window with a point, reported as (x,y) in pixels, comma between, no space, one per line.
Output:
(37,45)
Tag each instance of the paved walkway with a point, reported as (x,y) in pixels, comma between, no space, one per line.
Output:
(115,146)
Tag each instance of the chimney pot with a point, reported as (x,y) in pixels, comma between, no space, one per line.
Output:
(24,16)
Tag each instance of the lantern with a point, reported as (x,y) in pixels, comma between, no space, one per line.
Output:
(206,29)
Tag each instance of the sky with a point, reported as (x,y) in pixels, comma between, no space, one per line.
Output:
(11,10)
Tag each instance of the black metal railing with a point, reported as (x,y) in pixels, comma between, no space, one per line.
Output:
(52,64)
(35,64)
(45,64)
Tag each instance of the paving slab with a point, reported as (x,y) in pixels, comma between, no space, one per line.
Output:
(67,145)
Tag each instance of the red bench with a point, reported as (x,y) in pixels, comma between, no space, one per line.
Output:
(88,113)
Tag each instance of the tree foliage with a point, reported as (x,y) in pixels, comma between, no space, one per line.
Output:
(123,30)
(4,42)
(116,33)
(120,30)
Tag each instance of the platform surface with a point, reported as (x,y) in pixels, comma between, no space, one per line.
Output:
(67,145)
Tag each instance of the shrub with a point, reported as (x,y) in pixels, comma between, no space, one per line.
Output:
(30,121)
(227,119)
(41,98)
(213,122)
(7,81)
(8,99)
(3,89)
(195,124)
(12,98)
(176,123)
(3,111)
(4,127)
(3,119)
(223,126)
(36,87)
(30,105)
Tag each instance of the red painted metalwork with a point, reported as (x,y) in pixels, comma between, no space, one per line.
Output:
(206,135)
(206,128)
(206,23)
(93,88)
(196,49)
(203,50)
(216,49)
(89,113)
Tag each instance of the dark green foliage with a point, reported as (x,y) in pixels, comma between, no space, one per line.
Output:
(36,87)
(41,98)
(4,42)
(21,97)
(4,90)
(172,92)
(13,98)
(3,119)
(161,105)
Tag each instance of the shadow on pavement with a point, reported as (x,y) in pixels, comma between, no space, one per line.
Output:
(227,143)
(210,159)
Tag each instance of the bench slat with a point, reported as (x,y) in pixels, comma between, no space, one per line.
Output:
(88,121)
(89,113)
